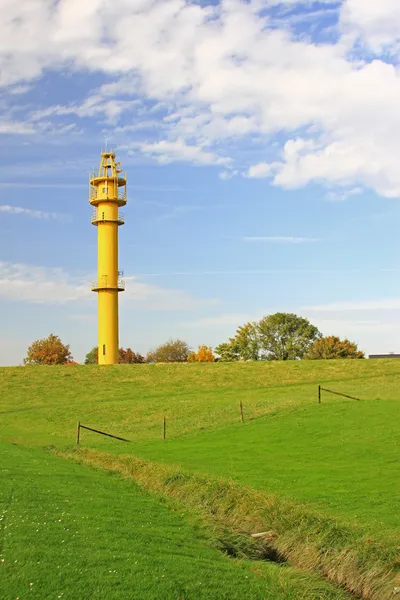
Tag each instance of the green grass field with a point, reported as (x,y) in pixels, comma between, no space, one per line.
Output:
(339,458)
(68,531)
(340,455)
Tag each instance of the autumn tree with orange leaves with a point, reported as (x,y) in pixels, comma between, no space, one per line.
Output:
(48,351)
(203,354)
(331,347)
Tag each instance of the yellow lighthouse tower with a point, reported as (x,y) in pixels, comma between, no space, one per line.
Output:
(107,193)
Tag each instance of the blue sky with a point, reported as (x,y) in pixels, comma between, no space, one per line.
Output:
(261,141)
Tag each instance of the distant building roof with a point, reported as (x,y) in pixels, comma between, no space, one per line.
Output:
(390,355)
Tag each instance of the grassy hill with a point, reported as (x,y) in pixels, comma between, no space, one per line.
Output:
(67,531)
(339,457)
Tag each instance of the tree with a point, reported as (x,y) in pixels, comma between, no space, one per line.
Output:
(281,336)
(245,345)
(227,352)
(48,351)
(333,347)
(171,351)
(285,336)
(126,357)
(129,357)
(92,357)
(203,354)
(246,342)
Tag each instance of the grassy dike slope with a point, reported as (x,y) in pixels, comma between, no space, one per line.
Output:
(68,531)
(275,451)
(43,404)
(341,455)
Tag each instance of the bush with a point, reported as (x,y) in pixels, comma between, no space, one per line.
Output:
(332,347)
(129,357)
(171,351)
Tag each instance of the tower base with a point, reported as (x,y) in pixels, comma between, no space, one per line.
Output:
(108,327)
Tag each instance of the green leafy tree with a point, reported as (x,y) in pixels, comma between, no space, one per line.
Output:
(227,352)
(171,351)
(92,356)
(285,336)
(281,336)
(333,347)
(246,342)
(48,351)
(244,345)
(129,357)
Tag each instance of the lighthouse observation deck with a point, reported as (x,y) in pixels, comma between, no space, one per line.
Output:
(108,185)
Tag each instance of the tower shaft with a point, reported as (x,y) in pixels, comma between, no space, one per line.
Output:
(107,194)
(108,327)
(107,271)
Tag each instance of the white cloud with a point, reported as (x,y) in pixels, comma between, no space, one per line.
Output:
(226,175)
(95,105)
(265,3)
(20,282)
(341,195)
(35,214)
(373,324)
(18,90)
(26,283)
(375,23)
(169,151)
(280,239)
(362,305)
(260,170)
(16,128)
(152,297)
(352,326)
(224,73)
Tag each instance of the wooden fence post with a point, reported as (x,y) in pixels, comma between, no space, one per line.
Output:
(164,428)
(78,432)
(319,394)
(338,394)
(241,411)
